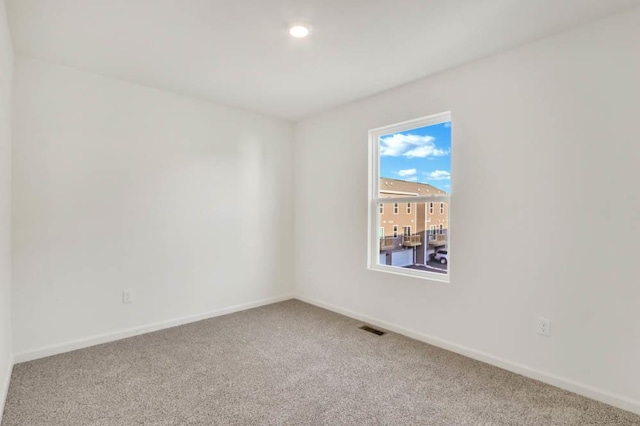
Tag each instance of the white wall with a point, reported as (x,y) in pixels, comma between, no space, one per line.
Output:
(121,186)
(6,71)
(544,215)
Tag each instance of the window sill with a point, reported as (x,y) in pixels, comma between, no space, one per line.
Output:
(424,275)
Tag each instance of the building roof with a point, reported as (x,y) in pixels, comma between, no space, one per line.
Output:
(394,186)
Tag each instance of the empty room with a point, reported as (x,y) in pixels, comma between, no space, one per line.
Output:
(319,212)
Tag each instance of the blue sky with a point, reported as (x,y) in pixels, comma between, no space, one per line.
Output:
(418,155)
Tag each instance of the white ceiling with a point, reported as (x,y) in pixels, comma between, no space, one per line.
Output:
(238,52)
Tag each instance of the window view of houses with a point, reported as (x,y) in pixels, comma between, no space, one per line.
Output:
(415,163)
(413,234)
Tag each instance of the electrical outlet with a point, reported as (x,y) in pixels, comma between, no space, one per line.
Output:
(543,326)
(127,296)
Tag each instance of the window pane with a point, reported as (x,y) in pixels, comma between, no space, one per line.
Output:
(416,241)
(415,162)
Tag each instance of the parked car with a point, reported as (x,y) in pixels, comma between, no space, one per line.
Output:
(441,256)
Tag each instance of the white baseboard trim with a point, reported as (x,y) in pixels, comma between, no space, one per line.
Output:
(73,345)
(604,396)
(4,387)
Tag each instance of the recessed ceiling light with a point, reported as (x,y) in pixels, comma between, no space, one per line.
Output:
(299,31)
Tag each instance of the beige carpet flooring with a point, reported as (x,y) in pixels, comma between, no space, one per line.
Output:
(285,364)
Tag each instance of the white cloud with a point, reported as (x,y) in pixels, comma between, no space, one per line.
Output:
(439,175)
(410,146)
(412,179)
(407,172)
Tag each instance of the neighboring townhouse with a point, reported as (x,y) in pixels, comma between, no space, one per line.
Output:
(411,232)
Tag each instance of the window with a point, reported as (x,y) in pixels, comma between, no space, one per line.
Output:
(410,163)
(381,232)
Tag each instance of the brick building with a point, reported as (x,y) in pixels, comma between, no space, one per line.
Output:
(411,232)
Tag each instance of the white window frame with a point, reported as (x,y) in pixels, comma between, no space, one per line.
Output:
(431,208)
(396,208)
(441,208)
(395,231)
(408,208)
(381,208)
(373,251)
(404,231)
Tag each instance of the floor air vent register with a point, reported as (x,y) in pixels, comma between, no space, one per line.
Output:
(372,330)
